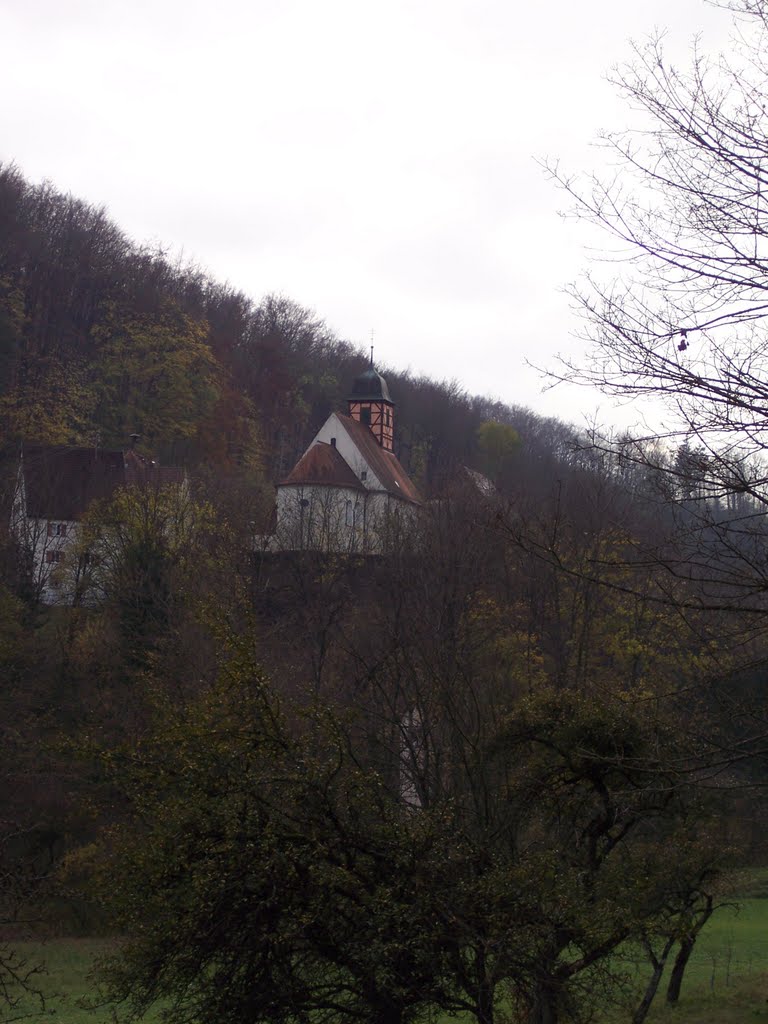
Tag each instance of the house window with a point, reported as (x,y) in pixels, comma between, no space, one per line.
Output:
(364,474)
(304,503)
(333,442)
(365,416)
(52,557)
(57,529)
(350,514)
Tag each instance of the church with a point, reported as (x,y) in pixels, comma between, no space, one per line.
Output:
(348,491)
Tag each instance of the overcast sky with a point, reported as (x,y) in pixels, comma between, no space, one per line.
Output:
(374,161)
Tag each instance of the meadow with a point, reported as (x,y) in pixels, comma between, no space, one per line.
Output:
(726,982)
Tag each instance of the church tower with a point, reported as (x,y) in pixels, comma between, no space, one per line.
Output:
(370,404)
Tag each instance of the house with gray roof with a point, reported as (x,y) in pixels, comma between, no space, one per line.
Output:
(55,487)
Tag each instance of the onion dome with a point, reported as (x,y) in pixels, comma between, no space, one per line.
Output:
(370,387)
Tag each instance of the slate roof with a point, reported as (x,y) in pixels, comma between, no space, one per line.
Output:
(322,464)
(384,464)
(60,483)
(370,385)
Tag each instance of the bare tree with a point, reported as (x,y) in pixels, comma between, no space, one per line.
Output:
(680,315)
(688,214)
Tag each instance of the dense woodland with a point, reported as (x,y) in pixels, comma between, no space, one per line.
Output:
(461,777)
(101,338)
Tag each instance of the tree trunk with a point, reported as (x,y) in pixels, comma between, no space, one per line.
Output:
(544,1006)
(678,969)
(388,1013)
(653,984)
(484,1011)
(684,953)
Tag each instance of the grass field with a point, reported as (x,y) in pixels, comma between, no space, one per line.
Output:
(733,946)
(726,982)
(65,985)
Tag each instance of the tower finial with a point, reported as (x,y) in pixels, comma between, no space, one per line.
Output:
(371,348)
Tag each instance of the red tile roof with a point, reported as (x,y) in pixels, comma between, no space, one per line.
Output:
(60,483)
(322,464)
(384,464)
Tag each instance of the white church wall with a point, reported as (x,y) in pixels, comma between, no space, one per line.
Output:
(320,519)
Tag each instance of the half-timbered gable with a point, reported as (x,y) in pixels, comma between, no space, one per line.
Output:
(371,405)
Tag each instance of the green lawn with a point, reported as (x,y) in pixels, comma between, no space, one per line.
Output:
(65,983)
(733,946)
(741,1003)
(726,983)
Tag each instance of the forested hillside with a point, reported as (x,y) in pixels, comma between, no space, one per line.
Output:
(457,779)
(101,338)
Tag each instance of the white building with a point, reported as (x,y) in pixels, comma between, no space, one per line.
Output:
(348,490)
(55,486)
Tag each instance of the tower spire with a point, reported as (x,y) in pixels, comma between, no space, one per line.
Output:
(370,404)
(371,348)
